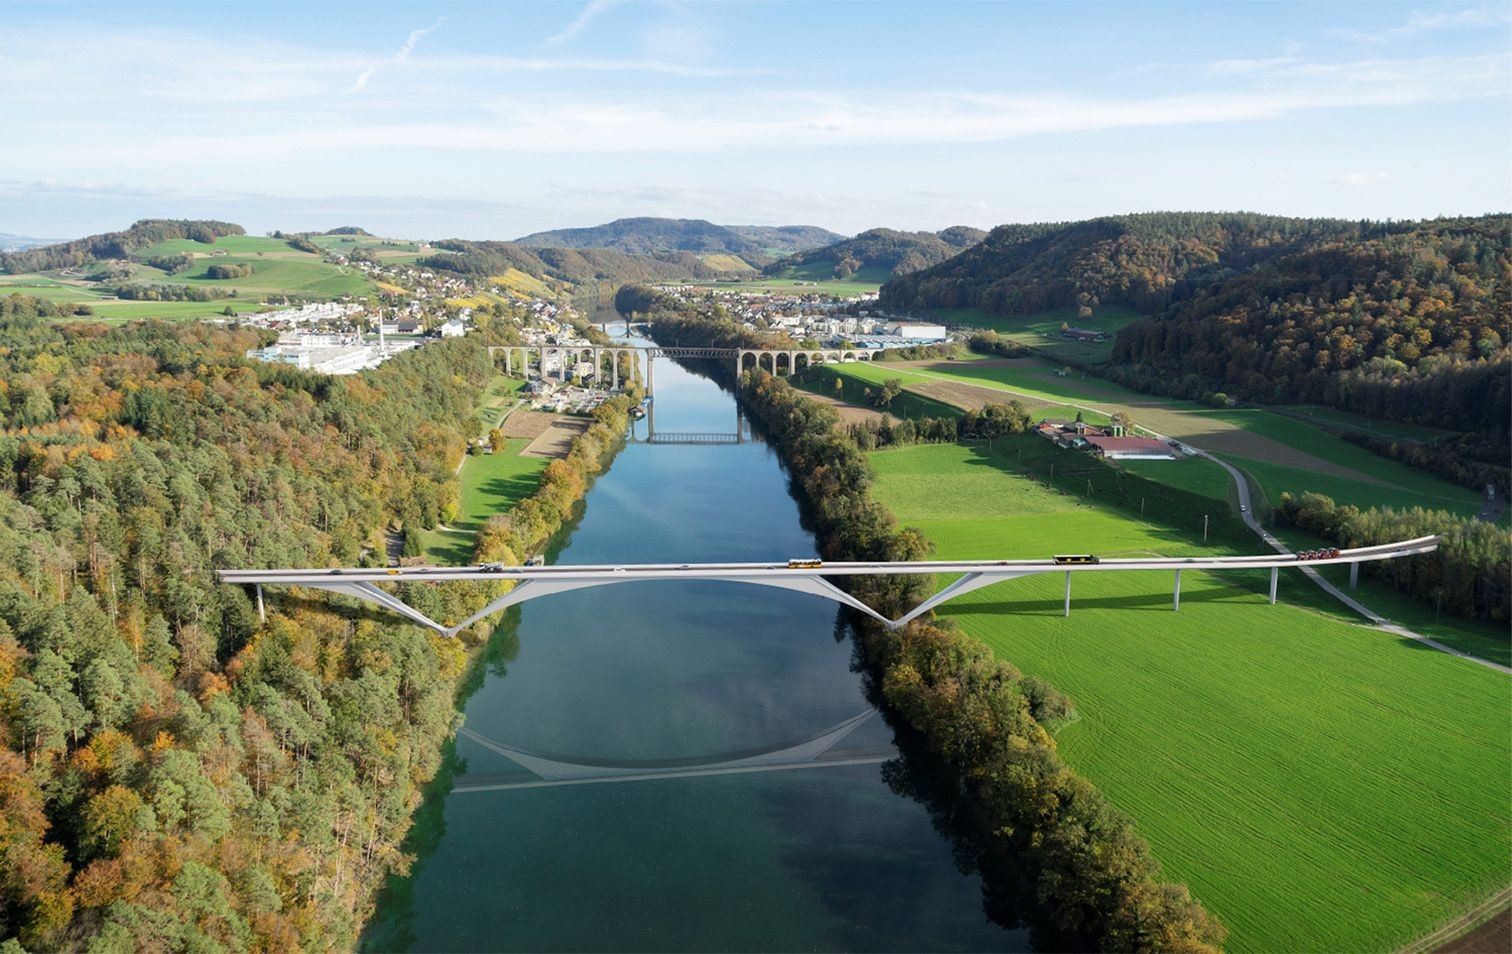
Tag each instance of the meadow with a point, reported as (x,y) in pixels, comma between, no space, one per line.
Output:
(229,244)
(1320,785)
(491,484)
(818,278)
(821,380)
(1280,451)
(498,397)
(1042,331)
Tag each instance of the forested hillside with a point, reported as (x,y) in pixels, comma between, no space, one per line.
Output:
(114,245)
(1139,261)
(173,777)
(896,253)
(785,239)
(650,236)
(1411,325)
(585,268)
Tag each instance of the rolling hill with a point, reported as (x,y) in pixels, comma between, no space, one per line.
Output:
(755,245)
(115,245)
(878,253)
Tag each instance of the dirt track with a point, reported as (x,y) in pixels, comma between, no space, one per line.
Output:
(557,439)
(850,413)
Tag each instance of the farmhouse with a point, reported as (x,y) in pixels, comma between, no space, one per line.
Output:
(1131,448)
(1084,335)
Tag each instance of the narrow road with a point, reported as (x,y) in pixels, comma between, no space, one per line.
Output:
(1492,511)
(1376,619)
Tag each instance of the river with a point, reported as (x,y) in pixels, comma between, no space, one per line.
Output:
(738,840)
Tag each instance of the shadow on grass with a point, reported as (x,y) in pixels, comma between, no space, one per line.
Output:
(499,495)
(1154,601)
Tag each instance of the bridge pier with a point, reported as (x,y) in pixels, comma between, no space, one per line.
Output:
(1354,576)
(262,614)
(1176,594)
(1275,577)
(1068,592)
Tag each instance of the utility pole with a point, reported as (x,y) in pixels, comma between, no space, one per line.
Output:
(1141,506)
(1204,527)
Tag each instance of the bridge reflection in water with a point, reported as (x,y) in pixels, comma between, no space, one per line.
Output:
(543,770)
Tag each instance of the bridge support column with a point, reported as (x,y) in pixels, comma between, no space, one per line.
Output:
(508,361)
(1275,576)
(650,378)
(1068,592)
(262,614)
(1176,594)
(1354,576)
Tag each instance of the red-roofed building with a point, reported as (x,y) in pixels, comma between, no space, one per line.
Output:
(1131,448)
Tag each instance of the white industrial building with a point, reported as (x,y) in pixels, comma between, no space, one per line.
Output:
(917,332)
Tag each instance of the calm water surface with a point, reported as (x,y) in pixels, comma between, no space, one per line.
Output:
(691,675)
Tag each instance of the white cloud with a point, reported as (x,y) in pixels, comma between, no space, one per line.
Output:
(1360,180)
(1489,15)
(588,14)
(400,56)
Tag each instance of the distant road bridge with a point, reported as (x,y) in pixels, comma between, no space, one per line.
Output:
(804,576)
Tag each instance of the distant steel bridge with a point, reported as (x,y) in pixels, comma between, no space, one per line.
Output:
(804,576)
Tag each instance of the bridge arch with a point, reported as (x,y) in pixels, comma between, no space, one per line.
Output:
(813,585)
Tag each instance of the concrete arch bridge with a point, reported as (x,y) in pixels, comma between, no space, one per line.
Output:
(775,361)
(803,576)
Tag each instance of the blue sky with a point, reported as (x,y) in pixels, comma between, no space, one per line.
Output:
(492,120)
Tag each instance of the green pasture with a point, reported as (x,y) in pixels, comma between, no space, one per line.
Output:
(1196,475)
(494,483)
(350,243)
(818,278)
(305,275)
(498,396)
(114,311)
(490,484)
(1382,482)
(1330,419)
(1042,330)
(45,289)
(230,244)
(873,373)
(821,380)
(1035,379)
(1320,785)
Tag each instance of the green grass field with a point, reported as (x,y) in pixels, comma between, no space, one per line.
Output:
(1376,481)
(306,275)
(491,484)
(818,279)
(1319,785)
(230,244)
(1042,331)
(821,380)
(498,397)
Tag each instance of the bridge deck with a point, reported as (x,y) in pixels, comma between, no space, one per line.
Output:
(685,571)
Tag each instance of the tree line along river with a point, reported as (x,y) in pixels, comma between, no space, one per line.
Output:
(691,765)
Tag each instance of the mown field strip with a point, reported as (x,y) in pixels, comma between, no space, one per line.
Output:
(1319,785)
